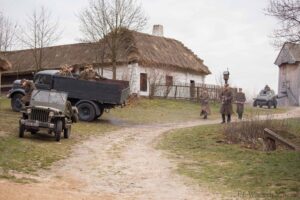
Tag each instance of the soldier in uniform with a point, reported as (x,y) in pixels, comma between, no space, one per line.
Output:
(267,88)
(226,107)
(204,101)
(240,101)
(66,70)
(89,74)
(28,87)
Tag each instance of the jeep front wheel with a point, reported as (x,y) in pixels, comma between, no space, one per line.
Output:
(21,130)
(58,130)
(16,103)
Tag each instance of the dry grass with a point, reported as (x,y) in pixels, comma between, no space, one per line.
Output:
(248,132)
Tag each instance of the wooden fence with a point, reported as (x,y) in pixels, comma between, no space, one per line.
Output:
(188,92)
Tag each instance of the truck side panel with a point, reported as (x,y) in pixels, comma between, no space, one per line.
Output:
(106,93)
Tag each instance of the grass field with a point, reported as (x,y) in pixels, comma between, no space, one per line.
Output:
(145,111)
(202,156)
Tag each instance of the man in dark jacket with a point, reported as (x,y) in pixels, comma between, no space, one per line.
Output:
(240,101)
(226,100)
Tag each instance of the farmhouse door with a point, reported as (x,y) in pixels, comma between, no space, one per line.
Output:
(143,82)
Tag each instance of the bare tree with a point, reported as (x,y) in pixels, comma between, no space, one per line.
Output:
(40,32)
(7,33)
(287,12)
(107,20)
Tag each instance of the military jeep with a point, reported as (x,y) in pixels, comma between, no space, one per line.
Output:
(48,110)
(265,98)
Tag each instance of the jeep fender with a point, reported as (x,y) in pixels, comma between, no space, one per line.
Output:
(97,109)
(15,91)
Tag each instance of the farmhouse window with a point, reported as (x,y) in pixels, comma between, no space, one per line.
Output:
(143,82)
(169,80)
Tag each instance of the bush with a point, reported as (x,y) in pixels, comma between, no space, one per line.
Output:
(248,132)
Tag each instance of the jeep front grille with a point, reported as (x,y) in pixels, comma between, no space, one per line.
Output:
(39,115)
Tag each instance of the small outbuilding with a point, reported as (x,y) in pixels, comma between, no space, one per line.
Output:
(288,62)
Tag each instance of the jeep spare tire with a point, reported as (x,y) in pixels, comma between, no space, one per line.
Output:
(15,102)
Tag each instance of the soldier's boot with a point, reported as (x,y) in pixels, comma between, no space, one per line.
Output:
(228,118)
(223,119)
(205,116)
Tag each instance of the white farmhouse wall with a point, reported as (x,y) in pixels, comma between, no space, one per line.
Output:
(289,83)
(132,73)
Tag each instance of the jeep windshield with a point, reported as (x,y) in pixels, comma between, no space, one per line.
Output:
(50,99)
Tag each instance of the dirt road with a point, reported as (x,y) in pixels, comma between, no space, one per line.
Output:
(120,165)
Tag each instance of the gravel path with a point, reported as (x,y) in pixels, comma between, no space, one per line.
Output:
(119,165)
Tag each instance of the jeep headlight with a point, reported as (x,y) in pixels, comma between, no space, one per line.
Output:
(51,114)
(28,111)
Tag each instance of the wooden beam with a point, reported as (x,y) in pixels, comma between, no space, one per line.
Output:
(272,135)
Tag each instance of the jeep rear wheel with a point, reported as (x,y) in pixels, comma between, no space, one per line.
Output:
(86,112)
(16,103)
(58,130)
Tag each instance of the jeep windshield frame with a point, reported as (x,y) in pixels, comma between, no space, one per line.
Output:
(49,99)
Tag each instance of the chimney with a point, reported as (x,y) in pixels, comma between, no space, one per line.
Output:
(158,30)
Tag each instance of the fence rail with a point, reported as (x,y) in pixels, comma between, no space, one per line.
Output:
(189,92)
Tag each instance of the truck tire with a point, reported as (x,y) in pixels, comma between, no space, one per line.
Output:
(15,102)
(67,132)
(275,104)
(269,104)
(58,130)
(101,113)
(86,112)
(255,103)
(21,130)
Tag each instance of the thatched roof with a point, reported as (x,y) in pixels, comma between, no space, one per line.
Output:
(4,65)
(147,50)
(289,54)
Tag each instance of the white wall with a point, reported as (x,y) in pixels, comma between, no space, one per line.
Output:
(132,73)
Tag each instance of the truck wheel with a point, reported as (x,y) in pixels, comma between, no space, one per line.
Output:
(16,103)
(254,103)
(58,130)
(86,112)
(67,132)
(101,113)
(275,104)
(269,104)
(21,130)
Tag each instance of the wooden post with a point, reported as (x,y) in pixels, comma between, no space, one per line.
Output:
(269,144)
(175,91)
(197,94)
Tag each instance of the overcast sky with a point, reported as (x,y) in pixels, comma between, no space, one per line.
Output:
(231,34)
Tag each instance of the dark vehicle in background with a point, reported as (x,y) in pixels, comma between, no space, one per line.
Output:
(47,110)
(266,98)
(90,97)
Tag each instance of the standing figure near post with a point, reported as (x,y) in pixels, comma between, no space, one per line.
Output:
(226,100)
(240,101)
(204,101)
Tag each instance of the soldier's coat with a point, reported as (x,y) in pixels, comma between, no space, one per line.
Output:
(29,87)
(226,99)
(204,102)
(240,99)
